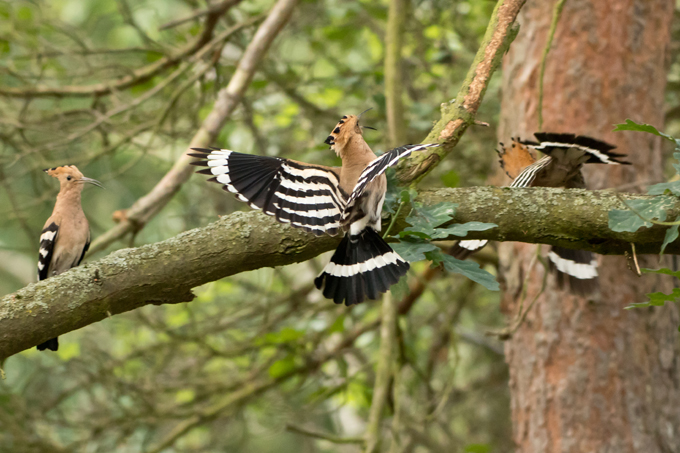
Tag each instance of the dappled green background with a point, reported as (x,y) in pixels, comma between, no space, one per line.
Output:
(254,354)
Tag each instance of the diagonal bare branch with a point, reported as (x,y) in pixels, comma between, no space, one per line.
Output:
(459,114)
(228,99)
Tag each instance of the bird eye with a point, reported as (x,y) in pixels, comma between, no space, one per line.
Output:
(68,178)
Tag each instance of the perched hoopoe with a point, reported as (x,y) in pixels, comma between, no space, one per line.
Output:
(561,167)
(322,200)
(66,235)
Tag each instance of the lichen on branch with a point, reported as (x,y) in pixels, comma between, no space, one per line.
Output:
(165,272)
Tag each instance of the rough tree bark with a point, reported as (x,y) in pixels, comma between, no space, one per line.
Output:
(587,375)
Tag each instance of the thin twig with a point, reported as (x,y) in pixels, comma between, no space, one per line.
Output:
(323,436)
(137,76)
(394,219)
(525,283)
(508,332)
(635,260)
(217,41)
(228,98)
(224,6)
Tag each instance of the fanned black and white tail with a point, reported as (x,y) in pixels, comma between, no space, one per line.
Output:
(376,168)
(306,196)
(363,266)
(576,269)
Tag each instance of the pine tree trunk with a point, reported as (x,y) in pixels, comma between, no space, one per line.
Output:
(587,375)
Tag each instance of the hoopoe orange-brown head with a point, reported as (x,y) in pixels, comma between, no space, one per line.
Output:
(347,134)
(70,177)
(344,133)
(515,158)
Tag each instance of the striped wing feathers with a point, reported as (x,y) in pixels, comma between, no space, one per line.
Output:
(530,173)
(376,168)
(306,196)
(48,237)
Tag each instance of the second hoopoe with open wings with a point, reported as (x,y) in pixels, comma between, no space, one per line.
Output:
(565,155)
(322,199)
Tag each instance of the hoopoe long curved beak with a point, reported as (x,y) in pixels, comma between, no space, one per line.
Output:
(83,180)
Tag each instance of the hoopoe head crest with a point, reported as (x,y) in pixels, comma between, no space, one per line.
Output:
(343,132)
(70,177)
(348,132)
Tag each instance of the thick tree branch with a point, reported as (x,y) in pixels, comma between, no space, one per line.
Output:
(166,271)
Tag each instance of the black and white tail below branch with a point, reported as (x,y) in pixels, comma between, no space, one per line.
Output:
(324,200)
(561,167)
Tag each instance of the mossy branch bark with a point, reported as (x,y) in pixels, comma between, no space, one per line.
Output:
(166,272)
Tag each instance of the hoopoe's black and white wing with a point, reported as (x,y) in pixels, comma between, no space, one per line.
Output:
(306,196)
(595,151)
(532,172)
(376,168)
(48,237)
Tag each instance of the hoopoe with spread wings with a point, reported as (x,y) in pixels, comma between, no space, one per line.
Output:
(66,235)
(322,199)
(561,167)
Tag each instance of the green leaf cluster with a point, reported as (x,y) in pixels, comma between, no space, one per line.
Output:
(658,299)
(645,213)
(428,223)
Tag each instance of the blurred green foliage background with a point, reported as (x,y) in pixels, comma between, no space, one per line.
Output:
(255,358)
